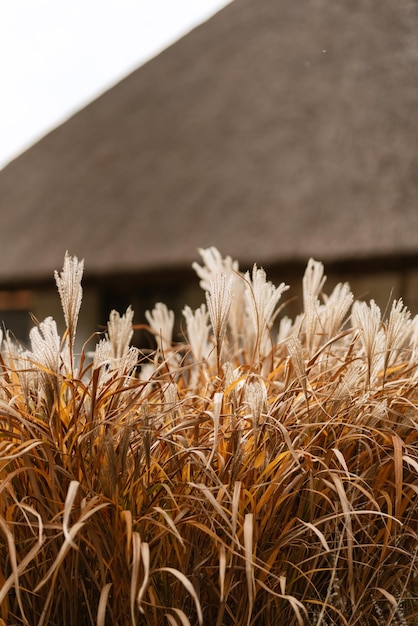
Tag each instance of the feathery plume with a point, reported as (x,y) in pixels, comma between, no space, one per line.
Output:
(198,327)
(262,298)
(45,343)
(161,320)
(313,279)
(170,395)
(295,350)
(286,328)
(119,332)
(413,341)
(71,292)
(397,331)
(255,397)
(336,308)
(114,351)
(368,319)
(213,265)
(218,299)
(312,283)
(102,354)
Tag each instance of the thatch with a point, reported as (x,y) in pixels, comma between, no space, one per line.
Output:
(276,131)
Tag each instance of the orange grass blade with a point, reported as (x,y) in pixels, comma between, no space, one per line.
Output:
(222,570)
(388,596)
(398,467)
(296,605)
(318,533)
(349,530)
(188,586)
(208,494)
(23,448)
(61,555)
(144,548)
(70,533)
(235,506)
(182,616)
(127,518)
(101,611)
(170,523)
(17,569)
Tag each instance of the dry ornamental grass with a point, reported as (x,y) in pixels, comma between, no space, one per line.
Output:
(257,473)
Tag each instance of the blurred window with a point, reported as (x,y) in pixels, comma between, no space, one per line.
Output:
(15,308)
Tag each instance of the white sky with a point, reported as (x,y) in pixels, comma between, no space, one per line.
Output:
(56,55)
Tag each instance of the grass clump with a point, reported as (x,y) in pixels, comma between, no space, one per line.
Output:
(248,475)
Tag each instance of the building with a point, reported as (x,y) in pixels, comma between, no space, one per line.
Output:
(275,131)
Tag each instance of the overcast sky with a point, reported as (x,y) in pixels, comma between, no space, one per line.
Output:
(56,55)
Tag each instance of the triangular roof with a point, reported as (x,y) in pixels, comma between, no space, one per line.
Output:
(276,131)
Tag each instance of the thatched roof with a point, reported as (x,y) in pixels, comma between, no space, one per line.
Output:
(277,130)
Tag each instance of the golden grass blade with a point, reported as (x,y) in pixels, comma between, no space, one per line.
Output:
(101,611)
(69,501)
(170,523)
(412,462)
(295,350)
(345,505)
(341,459)
(222,570)
(46,606)
(9,410)
(204,528)
(145,556)
(217,407)
(248,531)
(398,467)
(127,518)
(318,533)
(68,543)
(40,525)
(289,444)
(17,569)
(235,506)
(91,507)
(23,448)
(4,605)
(208,494)
(297,606)
(279,458)
(388,596)
(136,556)
(183,617)
(188,586)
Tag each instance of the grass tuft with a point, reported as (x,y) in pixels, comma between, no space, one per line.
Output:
(254,474)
